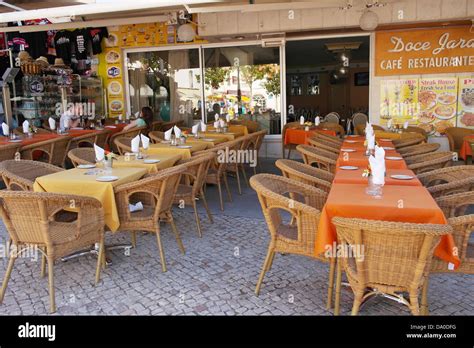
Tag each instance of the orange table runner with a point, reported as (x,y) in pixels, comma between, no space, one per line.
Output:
(355,177)
(466,149)
(28,141)
(359,159)
(399,204)
(300,136)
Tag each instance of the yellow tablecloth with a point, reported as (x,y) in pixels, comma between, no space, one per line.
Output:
(236,131)
(162,149)
(166,161)
(74,181)
(211,140)
(214,134)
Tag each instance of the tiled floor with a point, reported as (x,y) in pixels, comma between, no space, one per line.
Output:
(217,275)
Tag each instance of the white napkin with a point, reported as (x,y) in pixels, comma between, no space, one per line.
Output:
(66,122)
(99,153)
(137,114)
(195,129)
(5,129)
(135,144)
(168,134)
(145,141)
(216,124)
(371,142)
(317,120)
(26,127)
(389,123)
(377,165)
(227,118)
(177,132)
(120,117)
(301,120)
(203,127)
(222,123)
(216,117)
(405,125)
(135,207)
(52,123)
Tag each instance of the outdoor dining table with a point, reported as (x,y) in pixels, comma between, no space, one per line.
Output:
(355,177)
(207,139)
(238,129)
(185,151)
(24,140)
(466,148)
(84,182)
(214,134)
(166,160)
(359,159)
(299,136)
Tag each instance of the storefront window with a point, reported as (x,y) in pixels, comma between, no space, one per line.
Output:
(244,83)
(166,81)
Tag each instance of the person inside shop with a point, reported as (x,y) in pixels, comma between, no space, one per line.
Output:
(145,119)
(70,118)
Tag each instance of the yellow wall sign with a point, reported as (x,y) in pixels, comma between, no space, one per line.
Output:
(426,51)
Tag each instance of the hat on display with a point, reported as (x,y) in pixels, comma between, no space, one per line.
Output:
(24,56)
(43,61)
(59,62)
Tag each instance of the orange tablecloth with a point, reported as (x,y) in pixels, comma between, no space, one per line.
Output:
(355,177)
(300,136)
(400,204)
(27,141)
(359,159)
(466,149)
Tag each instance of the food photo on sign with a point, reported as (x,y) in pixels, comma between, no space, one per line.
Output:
(466,102)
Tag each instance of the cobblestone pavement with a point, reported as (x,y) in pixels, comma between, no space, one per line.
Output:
(216,276)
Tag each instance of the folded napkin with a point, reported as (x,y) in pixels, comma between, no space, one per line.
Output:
(227,118)
(5,129)
(26,127)
(216,117)
(222,123)
(137,114)
(203,127)
(135,144)
(371,142)
(216,124)
(99,153)
(377,166)
(135,207)
(66,121)
(145,141)
(52,123)
(405,125)
(389,123)
(195,129)
(168,134)
(301,120)
(120,117)
(177,132)
(317,120)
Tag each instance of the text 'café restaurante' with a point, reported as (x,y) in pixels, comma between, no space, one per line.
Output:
(170,156)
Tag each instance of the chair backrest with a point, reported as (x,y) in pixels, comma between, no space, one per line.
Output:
(306,174)
(61,147)
(8,152)
(391,254)
(455,186)
(418,149)
(197,168)
(336,127)
(402,143)
(456,204)
(55,149)
(21,174)
(166,126)
(86,140)
(425,163)
(359,129)
(324,145)
(156,136)
(281,196)
(419,130)
(359,119)
(332,117)
(325,160)
(155,126)
(123,145)
(456,136)
(28,215)
(102,137)
(446,175)
(81,155)
(326,137)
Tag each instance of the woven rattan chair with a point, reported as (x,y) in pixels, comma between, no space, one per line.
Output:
(328,138)
(238,166)
(418,149)
(456,137)
(54,150)
(156,193)
(81,155)
(359,119)
(306,174)
(396,257)
(425,163)
(455,186)
(325,160)
(102,137)
(255,143)
(401,143)
(284,146)
(123,145)
(30,219)
(191,187)
(131,133)
(332,117)
(336,127)
(85,140)
(156,136)
(9,152)
(324,145)
(419,130)
(20,175)
(155,126)
(292,224)
(446,175)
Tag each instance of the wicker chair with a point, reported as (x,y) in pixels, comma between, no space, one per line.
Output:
(336,127)
(102,137)
(156,136)
(324,145)
(191,188)
(388,265)
(255,143)
(243,144)
(20,175)
(284,146)
(86,140)
(425,163)
(456,137)
(455,186)
(81,155)
(325,160)
(123,145)
(306,174)
(332,117)
(31,220)
(167,126)
(132,133)
(326,137)
(280,197)
(54,149)
(156,193)
(155,126)
(9,152)
(359,129)
(418,149)
(359,119)
(419,130)
(402,143)
(446,175)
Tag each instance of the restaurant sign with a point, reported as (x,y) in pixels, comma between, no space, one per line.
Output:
(427,51)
